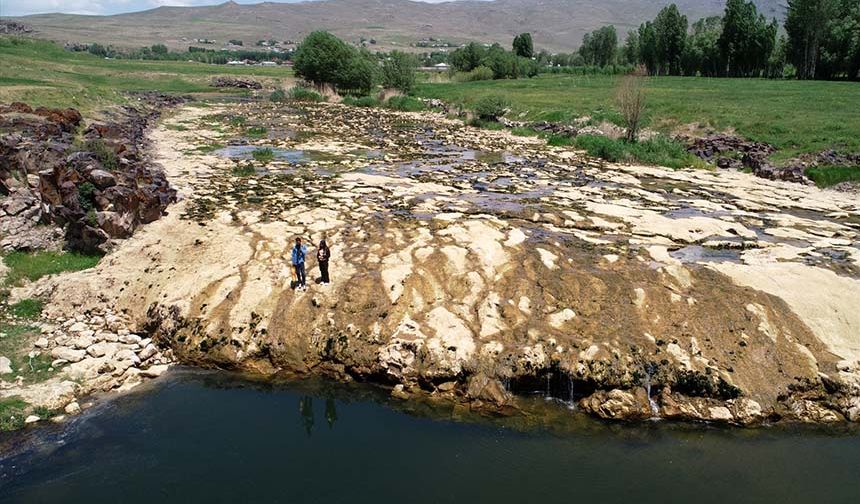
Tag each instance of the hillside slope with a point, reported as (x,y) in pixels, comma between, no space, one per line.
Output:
(557,25)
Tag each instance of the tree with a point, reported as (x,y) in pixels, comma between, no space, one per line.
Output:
(467,58)
(322,58)
(806,24)
(702,52)
(159,49)
(670,29)
(599,47)
(630,53)
(839,54)
(398,71)
(648,48)
(747,40)
(523,45)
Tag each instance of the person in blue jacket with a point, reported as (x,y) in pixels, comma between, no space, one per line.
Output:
(299,253)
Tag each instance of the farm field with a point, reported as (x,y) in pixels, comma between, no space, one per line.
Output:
(43,73)
(797,117)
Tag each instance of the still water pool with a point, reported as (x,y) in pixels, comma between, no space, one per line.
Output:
(214,437)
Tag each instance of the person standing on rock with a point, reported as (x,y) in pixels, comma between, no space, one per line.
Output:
(298,257)
(323,255)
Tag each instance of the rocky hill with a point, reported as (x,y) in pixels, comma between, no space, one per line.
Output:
(557,25)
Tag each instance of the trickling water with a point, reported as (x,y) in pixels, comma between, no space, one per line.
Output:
(655,410)
(548,393)
(571,404)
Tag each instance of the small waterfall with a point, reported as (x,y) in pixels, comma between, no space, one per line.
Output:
(571,403)
(548,393)
(649,370)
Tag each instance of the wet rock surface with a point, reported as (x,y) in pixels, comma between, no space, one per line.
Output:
(85,190)
(479,266)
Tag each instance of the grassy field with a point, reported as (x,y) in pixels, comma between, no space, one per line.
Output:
(43,73)
(795,116)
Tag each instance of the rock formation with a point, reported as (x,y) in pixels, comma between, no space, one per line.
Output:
(479,266)
(94,187)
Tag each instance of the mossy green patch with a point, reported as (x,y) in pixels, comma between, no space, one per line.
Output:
(659,151)
(33,266)
(826,176)
(12,411)
(263,155)
(26,309)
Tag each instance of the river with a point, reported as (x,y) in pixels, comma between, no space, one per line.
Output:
(215,437)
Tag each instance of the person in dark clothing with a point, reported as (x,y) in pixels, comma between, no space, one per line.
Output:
(298,259)
(323,256)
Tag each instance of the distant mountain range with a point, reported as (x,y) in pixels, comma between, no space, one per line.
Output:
(556,25)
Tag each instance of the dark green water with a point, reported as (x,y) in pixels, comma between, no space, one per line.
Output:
(204,437)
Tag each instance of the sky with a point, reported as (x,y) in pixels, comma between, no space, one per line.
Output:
(25,7)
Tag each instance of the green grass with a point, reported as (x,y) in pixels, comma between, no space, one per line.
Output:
(361,101)
(659,151)
(26,309)
(826,176)
(559,140)
(245,170)
(43,73)
(263,155)
(12,411)
(306,95)
(405,104)
(256,131)
(32,266)
(211,147)
(795,116)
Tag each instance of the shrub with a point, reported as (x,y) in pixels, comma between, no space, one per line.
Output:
(278,96)
(86,196)
(264,154)
(92,218)
(104,153)
(659,151)
(602,147)
(361,101)
(631,103)
(398,71)
(491,108)
(559,140)
(299,93)
(244,170)
(406,104)
(480,73)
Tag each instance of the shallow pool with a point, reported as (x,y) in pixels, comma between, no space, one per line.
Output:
(213,437)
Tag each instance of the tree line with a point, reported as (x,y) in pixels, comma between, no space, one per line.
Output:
(495,61)
(820,40)
(160,52)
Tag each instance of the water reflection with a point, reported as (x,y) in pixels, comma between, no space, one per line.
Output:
(306,413)
(330,412)
(154,445)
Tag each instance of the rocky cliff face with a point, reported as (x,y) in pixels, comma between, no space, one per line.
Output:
(477,266)
(94,186)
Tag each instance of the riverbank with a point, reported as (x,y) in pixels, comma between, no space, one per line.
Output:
(476,266)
